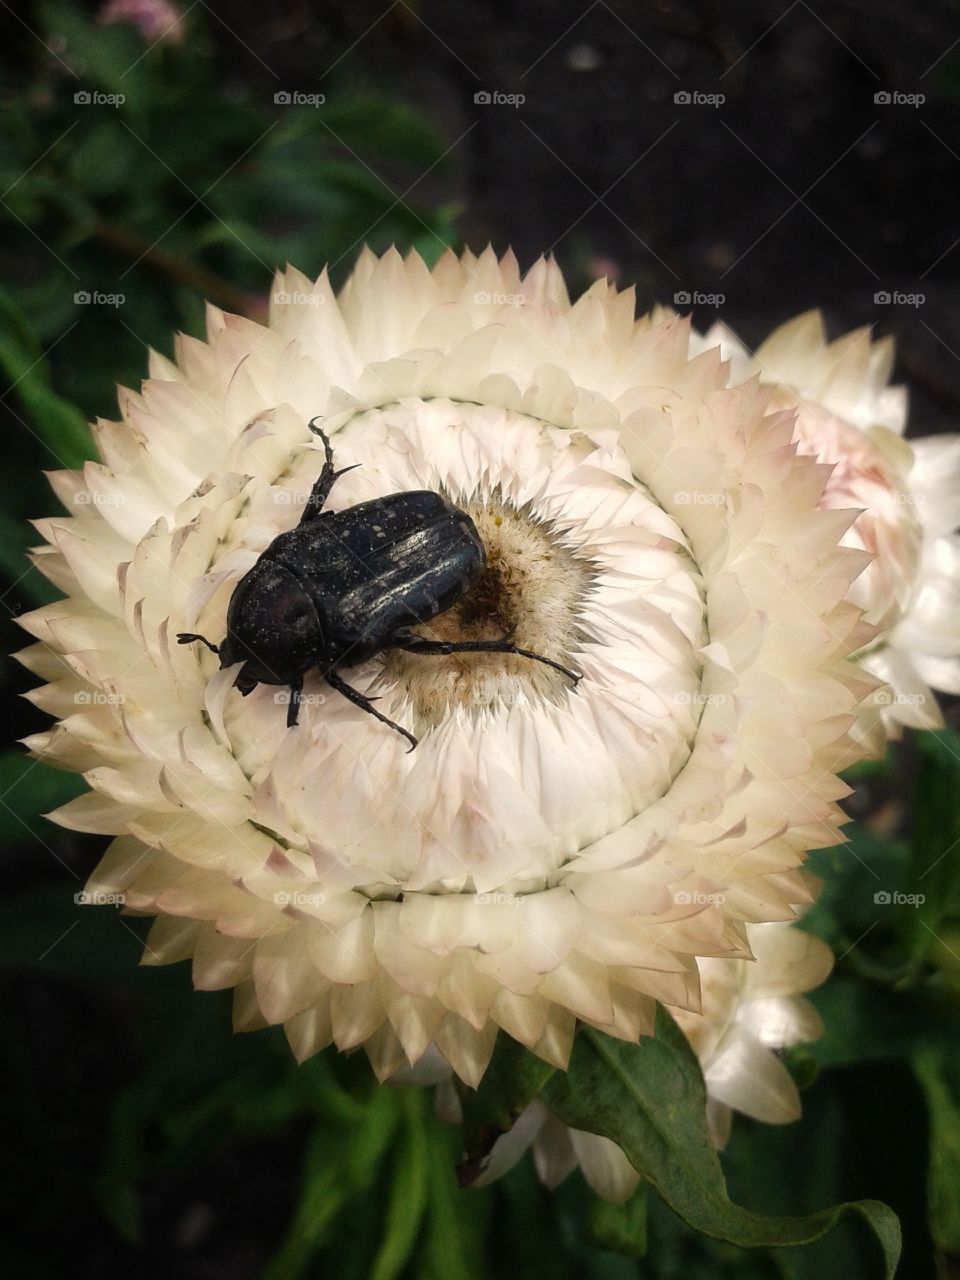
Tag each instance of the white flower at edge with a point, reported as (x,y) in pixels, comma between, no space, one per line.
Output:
(544,855)
(849,416)
(751,1009)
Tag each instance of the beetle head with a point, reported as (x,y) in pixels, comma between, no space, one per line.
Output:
(272,628)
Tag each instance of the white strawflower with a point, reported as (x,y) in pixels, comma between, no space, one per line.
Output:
(909,493)
(546,853)
(751,1009)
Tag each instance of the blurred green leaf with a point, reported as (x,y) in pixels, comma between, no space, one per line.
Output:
(16,536)
(939,1075)
(453,1245)
(853,1119)
(29,788)
(621,1227)
(52,419)
(408,1191)
(109,58)
(337,1167)
(104,159)
(931,887)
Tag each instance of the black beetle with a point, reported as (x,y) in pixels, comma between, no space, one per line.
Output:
(345,585)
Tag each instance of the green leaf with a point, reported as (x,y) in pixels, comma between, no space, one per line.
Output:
(338,1166)
(649,1098)
(452,1247)
(408,1192)
(108,57)
(864,1022)
(940,1078)
(620,1227)
(55,421)
(27,789)
(842,1151)
(931,889)
(15,537)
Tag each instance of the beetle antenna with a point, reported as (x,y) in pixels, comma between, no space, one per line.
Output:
(188,637)
(419,644)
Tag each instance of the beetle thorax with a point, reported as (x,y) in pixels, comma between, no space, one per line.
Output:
(532,587)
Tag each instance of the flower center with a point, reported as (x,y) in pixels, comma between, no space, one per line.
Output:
(528,594)
(515,771)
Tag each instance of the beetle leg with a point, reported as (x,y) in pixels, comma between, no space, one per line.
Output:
(293,706)
(188,637)
(418,644)
(325,481)
(337,682)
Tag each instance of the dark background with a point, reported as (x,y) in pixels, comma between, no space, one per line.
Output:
(140,1137)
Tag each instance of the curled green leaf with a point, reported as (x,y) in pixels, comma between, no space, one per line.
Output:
(649,1098)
